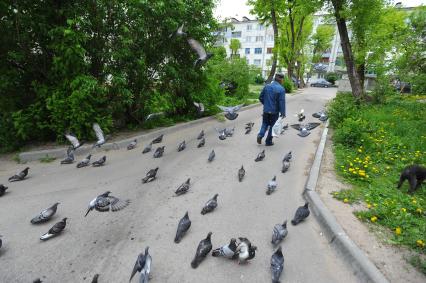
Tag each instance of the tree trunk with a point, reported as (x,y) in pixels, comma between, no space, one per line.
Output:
(357,88)
(274,56)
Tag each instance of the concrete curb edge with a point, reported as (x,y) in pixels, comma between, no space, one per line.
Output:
(355,257)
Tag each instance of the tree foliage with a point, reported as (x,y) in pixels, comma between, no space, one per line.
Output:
(234,45)
(321,41)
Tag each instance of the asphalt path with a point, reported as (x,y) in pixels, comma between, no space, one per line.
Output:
(108,243)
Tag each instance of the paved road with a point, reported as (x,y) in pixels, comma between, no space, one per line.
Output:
(108,243)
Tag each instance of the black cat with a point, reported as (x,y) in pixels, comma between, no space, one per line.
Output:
(415,174)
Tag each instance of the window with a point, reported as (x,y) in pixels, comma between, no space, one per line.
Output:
(257,62)
(269,50)
(260,27)
(236,34)
(248,38)
(247,50)
(259,38)
(258,51)
(270,38)
(248,27)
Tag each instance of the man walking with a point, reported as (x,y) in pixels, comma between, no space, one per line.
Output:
(273,99)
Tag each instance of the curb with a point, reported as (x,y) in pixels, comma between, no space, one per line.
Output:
(355,257)
(60,152)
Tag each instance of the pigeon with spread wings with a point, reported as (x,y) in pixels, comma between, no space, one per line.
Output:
(230,111)
(304,129)
(203,56)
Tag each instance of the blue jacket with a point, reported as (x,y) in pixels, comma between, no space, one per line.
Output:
(273,98)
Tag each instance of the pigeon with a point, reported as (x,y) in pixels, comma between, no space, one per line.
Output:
(183,189)
(248,130)
(252,252)
(286,166)
(2,189)
(260,156)
(277,265)
(200,135)
(279,233)
(132,145)
(147,148)
(229,132)
(178,32)
(228,251)
(230,111)
(200,108)
(150,176)
(203,56)
(143,265)
(70,156)
(201,143)
(222,135)
(288,157)
(19,176)
(139,264)
(99,162)
(45,215)
(210,205)
(153,115)
(75,143)
(159,152)
(211,155)
(322,116)
(99,135)
(37,280)
(301,116)
(304,130)
(105,202)
(158,139)
(243,250)
(95,278)
(1,242)
(182,146)
(85,162)
(55,230)
(182,228)
(301,213)
(241,173)
(272,185)
(285,127)
(203,249)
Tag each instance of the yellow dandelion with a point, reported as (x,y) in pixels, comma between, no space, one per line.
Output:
(368,205)
(345,200)
(403,209)
(420,243)
(419,210)
(414,201)
(373,219)
(398,231)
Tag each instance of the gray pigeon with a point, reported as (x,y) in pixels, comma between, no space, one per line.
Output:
(241,173)
(182,228)
(150,176)
(100,162)
(243,250)
(201,143)
(183,189)
(182,146)
(55,230)
(203,56)
(143,265)
(200,135)
(45,215)
(286,166)
(230,112)
(158,139)
(272,185)
(301,213)
(210,205)
(159,152)
(279,233)
(228,251)
(277,265)
(70,156)
(203,249)
(178,32)
(304,129)
(222,135)
(200,108)
(85,162)
(95,278)
(75,143)
(288,157)
(2,189)
(147,148)
(229,132)
(322,116)
(301,116)
(99,135)
(19,176)
(139,264)
(211,155)
(105,202)
(132,145)
(260,156)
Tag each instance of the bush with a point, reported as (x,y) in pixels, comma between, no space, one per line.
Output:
(331,77)
(288,85)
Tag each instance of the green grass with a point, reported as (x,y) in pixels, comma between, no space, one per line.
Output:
(418,263)
(256,89)
(372,144)
(47,159)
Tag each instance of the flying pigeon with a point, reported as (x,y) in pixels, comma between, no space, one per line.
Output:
(158,139)
(277,265)
(132,145)
(19,176)
(182,146)
(95,278)
(222,135)
(322,116)
(85,162)
(182,228)
(99,162)
(201,143)
(304,130)
(301,213)
(150,176)
(301,116)
(2,189)
(143,265)
(230,112)
(203,56)
(75,143)
(203,249)
(229,132)
(210,205)
(200,108)
(70,156)
(241,173)
(159,152)
(200,135)
(147,148)
(279,233)
(288,157)
(272,185)
(99,135)
(105,202)
(45,215)
(178,32)
(228,251)
(153,115)
(55,230)
(286,166)
(211,156)
(243,250)
(183,189)
(260,156)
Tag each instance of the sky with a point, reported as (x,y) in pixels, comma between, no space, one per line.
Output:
(238,8)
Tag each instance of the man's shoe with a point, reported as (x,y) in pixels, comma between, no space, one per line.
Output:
(259,139)
(269,144)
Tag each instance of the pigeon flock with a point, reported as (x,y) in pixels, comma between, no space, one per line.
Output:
(241,250)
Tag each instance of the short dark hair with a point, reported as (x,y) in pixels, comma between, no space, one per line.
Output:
(279,76)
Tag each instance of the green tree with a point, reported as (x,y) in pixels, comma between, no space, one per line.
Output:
(234,45)
(321,41)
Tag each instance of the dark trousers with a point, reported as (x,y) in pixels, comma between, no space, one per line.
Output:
(268,120)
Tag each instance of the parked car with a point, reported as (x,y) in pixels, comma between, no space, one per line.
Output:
(321,83)
(402,87)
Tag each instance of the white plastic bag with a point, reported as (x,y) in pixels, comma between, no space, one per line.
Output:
(276,129)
